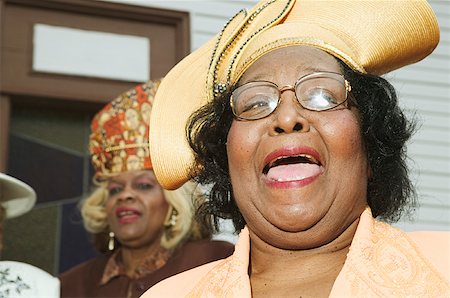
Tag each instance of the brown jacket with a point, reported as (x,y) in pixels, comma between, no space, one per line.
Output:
(84,279)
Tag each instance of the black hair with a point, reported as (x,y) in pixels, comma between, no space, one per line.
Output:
(384,128)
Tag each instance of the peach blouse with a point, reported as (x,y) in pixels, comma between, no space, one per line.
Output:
(382,262)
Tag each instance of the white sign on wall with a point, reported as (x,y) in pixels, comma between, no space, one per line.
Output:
(88,53)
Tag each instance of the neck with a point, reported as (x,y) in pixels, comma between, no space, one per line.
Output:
(311,272)
(132,257)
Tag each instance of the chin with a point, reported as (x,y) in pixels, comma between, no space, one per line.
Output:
(295,231)
(301,240)
(293,226)
(130,236)
(295,219)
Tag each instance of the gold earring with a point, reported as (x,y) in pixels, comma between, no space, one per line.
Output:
(170,222)
(173,218)
(111,241)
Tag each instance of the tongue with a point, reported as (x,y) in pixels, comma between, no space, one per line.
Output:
(293,172)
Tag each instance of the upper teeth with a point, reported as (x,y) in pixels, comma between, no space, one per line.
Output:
(306,156)
(309,158)
(123,213)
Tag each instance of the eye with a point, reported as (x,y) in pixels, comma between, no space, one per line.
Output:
(321,91)
(255,100)
(319,99)
(113,190)
(144,186)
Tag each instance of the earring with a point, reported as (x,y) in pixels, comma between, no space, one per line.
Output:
(170,222)
(111,241)
(173,218)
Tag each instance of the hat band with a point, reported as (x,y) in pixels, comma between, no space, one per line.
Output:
(126,146)
(292,41)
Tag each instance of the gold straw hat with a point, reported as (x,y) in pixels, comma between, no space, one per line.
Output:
(369,36)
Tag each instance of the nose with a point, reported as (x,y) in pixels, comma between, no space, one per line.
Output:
(289,115)
(126,195)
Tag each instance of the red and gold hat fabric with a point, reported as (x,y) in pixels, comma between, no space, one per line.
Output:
(119,140)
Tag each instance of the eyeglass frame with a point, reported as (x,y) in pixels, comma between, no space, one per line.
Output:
(347,85)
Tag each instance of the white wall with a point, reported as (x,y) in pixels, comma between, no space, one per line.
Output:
(423,87)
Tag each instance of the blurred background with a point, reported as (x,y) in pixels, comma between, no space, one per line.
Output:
(62,60)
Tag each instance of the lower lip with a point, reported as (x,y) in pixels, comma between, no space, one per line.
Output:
(128,219)
(291,184)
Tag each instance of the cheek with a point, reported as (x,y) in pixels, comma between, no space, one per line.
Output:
(343,139)
(240,146)
(343,136)
(109,204)
(244,143)
(157,206)
(109,207)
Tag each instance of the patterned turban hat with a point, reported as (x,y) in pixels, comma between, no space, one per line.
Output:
(119,140)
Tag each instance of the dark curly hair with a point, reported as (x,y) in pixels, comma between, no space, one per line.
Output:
(384,129)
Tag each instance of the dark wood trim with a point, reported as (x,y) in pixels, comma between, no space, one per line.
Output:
(2,25)
(19,84)
(145,20)
(121,11)
(5,112)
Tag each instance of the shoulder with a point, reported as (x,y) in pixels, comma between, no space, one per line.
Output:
(432,247)
(181,284)
(212,247)
(213,277)
(428,239)
(86,274)
(205,251)
(435,246)
(95,263)
(196,253)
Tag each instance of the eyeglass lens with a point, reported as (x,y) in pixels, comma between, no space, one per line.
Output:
(317,91)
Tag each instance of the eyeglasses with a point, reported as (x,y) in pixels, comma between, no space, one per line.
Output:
(318,91)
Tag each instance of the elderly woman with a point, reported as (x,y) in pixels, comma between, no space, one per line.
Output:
(304,146)
(149,231)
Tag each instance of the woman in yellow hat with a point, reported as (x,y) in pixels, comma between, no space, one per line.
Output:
(304,146)
(145,233)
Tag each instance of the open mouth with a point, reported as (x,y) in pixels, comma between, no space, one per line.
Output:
(124,213)
(127,215)
(299,159)
(292,168)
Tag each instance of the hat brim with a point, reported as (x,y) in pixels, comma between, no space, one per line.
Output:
(372,37)
(184,93)
(17,197)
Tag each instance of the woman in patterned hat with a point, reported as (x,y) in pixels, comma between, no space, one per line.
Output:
(144,232)
(304,145)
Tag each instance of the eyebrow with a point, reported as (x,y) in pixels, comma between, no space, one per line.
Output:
(145,176)
(299,69)
(116,181)
(307,69)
